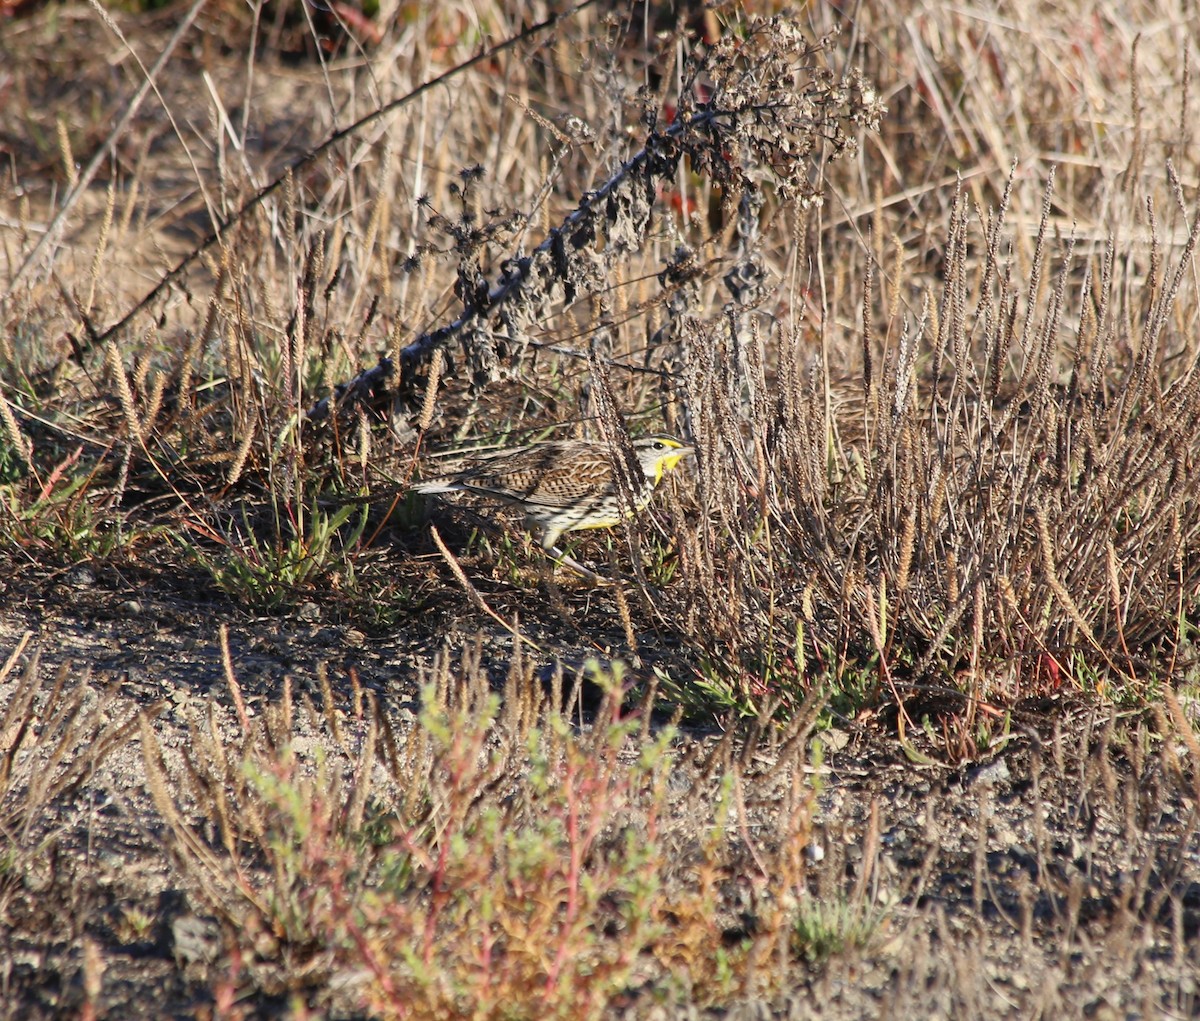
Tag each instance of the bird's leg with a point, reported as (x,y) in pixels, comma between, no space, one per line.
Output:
(570,562)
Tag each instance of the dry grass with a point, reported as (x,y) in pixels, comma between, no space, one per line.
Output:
(922,293)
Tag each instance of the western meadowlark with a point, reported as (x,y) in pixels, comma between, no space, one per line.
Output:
(564,485)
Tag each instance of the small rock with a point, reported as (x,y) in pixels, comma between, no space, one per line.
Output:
(1004,836)
(679,782)
(196,939)
(81,576)
(992,773)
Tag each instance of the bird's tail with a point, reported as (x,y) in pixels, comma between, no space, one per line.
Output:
(433,486)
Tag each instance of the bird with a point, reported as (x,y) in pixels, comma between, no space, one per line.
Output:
(564,485)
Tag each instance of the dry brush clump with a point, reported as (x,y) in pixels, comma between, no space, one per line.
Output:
(54,738)
(491,856)
(1011,499)
(58,729)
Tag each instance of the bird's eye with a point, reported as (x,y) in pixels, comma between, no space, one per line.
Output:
(659,445)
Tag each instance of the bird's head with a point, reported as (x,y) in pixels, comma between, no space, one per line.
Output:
(659,454)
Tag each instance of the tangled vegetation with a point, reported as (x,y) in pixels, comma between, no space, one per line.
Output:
(919,288)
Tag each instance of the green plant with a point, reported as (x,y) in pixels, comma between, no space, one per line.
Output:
(826,928)
(59,517)
(268,574)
